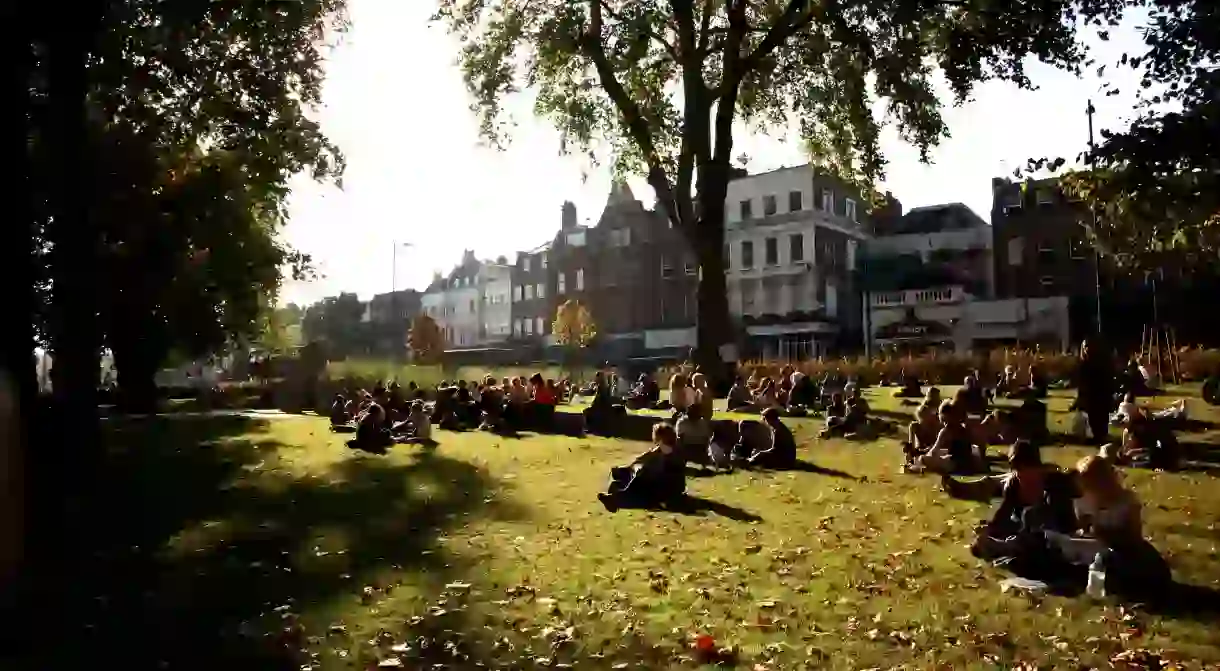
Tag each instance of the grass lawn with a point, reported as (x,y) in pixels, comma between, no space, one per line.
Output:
(228,543)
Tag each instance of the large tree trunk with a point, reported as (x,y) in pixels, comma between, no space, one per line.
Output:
(714,327)
(75,331)
(18,383)
(137,362)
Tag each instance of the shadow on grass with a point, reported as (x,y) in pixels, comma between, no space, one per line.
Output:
(810,467)
(697,506)
(195,555)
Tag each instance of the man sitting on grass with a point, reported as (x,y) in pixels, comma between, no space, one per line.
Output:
(780,452)
(655,478)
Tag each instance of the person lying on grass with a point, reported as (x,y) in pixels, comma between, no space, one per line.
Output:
(654,478)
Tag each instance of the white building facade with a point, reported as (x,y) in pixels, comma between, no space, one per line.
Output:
(791,238)
(495,298)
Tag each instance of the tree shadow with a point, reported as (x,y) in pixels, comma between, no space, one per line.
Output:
(193,555)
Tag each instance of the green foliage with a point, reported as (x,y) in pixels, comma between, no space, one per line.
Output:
(196,116)
(337,322)
(640,79)
(1155,186)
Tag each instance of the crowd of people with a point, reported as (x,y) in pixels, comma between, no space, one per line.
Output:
(1050,523)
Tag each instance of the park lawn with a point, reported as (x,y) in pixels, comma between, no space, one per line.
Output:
(494,552)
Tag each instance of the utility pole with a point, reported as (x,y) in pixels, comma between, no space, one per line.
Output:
(1089,111)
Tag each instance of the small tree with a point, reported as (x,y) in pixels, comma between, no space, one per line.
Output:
(573,325)
(426,340)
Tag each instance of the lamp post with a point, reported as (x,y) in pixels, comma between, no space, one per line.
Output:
(1089,111)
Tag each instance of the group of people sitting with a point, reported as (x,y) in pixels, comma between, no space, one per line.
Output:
(794,392)
(658,476)
(390,414)
(385,417)
(1054,525)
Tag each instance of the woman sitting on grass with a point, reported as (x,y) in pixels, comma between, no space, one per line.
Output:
(953,451)
(680,395)
(739,399)
(655,478)
(338,412)
(1111,529)
(541,413)
(921,433)
(854,419)
(416,429)
(694,432)
(1036,498)
(767,396)
(372,434)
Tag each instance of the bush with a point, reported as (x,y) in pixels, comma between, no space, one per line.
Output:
(940,368)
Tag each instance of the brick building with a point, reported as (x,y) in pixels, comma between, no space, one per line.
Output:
(1040,245)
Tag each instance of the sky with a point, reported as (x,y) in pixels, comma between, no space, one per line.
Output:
(420,187)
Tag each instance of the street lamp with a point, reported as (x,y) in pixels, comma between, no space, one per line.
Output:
(394,280)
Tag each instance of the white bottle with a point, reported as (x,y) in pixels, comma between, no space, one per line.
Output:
(1096,587)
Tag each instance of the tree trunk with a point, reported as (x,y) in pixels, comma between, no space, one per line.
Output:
(714,327)
(75,331)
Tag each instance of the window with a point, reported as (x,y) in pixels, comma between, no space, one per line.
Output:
(538,326)
(852,248)
(525,263)
(745,210)
(747,254)
(1044,196)
(620,237)
(796,247)
(518,293)
(728,256)
(828,200)
(472,306)
(562,284)
(771,251)
(795,201)
(1047,281)
(1016,251)
(769,207)
(1011,199)
(540,290)
(529,292)
(580,279)
(542,258)
(667,267)
(849,210)
(692,267)
(576,239)
(529,327)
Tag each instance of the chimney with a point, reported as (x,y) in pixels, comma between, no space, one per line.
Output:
(468,258)
(568,219)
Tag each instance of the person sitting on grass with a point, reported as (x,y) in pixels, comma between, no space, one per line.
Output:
(720,447)
(694,431)
(971,397)
(767,396)
(853,420)
(921,433)
(739,399)
(1149,441)
(704,397)
(542,404)
(599,416)
(680,395)
(1111,529)
(645,393)
(781,452)
(804,392)
(654,478)
(372,434)
(1035,498)
(953,451)
(417,428)
(338,412)
(910,386)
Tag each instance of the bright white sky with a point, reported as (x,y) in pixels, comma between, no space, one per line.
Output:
(396,105)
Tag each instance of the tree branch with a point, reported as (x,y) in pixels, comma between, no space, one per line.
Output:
(695,107)
(633,116)
(705,27)
(669,48)
(796,16)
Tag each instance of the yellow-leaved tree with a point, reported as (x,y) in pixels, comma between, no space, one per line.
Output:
(426,340)
(573,325)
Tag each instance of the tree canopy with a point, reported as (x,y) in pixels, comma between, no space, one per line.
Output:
(660,87)
(425,339)
(1155,185)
